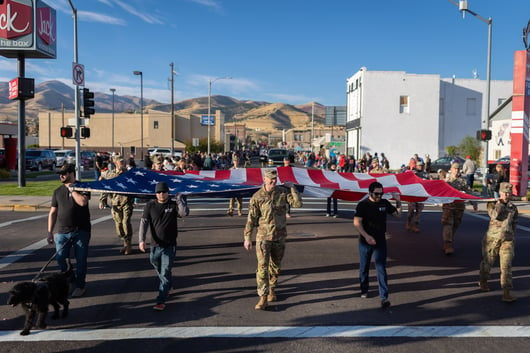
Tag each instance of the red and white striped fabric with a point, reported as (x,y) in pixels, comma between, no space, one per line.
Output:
(344,186)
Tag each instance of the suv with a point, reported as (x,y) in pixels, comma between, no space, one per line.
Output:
(164,152)
(40,159)
(276,156)
(64,156)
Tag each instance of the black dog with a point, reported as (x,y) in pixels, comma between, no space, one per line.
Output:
(36,296)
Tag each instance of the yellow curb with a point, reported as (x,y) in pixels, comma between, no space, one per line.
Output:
(25,208)
(6,207)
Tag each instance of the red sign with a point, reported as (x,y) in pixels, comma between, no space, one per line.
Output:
(46,25)
(15,19)
(13,88)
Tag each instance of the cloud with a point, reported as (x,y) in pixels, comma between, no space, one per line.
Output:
(208,3)
(97,17)
(143,16)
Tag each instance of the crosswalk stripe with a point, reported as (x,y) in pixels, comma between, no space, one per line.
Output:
(267,331)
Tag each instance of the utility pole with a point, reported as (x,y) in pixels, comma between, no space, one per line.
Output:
(172,109)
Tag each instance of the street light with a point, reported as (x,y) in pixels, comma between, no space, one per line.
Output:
(139,73)
(210,81)
(112,90)
(462,6)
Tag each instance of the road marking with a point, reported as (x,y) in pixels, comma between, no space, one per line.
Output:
(19,254)
(5,224)
(267,332)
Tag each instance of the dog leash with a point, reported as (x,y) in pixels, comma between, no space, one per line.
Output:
(53,257)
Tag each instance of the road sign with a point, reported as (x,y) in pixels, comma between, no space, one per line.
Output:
(78,74)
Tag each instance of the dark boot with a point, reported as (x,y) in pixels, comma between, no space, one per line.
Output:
(507,297)
(483,284)
(448,248)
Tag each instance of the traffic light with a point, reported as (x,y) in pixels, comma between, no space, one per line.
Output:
(85,132)
(484,135)
(66,132)
(88,103)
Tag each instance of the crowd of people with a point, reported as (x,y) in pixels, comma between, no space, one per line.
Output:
(268,210)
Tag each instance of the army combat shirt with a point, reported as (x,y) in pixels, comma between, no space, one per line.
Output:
(503,220)
(267,211)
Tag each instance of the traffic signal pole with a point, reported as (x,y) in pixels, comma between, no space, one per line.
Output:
(76,101)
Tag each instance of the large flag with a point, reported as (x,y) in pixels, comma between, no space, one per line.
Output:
(245,181)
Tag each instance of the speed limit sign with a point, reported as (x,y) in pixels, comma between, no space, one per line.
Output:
(78,74)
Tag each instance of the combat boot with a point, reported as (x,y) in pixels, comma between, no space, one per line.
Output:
(483,284)
(448,248)
(127,247)
(123,248)
(507,297)
(262,304)
(272,296)
(415,229)
(407,226)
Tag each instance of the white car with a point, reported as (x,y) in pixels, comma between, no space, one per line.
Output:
(64,156)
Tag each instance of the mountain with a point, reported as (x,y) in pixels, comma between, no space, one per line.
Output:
(53,95)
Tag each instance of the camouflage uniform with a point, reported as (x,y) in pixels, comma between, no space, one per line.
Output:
(267,212)
(499,241)
(122,209)
(452,213)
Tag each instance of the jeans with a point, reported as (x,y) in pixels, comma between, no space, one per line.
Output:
(162,261)
(365,254)
(79,240)
(470,179)
(328,206)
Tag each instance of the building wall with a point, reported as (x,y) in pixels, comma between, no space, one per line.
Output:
(439,113)
(127,130)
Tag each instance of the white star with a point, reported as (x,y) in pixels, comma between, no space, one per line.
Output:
(132,181)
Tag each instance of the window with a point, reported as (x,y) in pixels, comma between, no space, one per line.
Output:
(500,101)
(155,124)
(471,106)
(404,104)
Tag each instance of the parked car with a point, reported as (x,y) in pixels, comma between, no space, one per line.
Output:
(88,158)
(444,163)
(3,162)
(64,156)
(164,152)
(276,156)
(40,159)
(505,161)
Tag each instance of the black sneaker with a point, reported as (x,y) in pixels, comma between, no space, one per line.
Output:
(364,295)
(385,303)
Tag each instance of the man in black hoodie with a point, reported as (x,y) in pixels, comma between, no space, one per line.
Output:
(160,216)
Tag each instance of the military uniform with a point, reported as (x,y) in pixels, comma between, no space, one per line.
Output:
(267,212)
(122,209)
(499,241)
(453,212)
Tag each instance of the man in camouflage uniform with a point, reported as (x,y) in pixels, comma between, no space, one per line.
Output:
(453,212)
(499,241)
(122,209)
(267,211)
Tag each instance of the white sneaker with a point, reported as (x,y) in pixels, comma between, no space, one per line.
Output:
(78,292)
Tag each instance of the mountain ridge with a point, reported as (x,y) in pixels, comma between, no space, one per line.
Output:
(54,95)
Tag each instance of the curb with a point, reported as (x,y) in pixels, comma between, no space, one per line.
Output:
(24,208)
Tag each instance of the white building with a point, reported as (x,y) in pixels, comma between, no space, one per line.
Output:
(401,114)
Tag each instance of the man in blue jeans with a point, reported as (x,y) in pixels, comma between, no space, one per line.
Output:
(69,212)
(160,216)
(370,221)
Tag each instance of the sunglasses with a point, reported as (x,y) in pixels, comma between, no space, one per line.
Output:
(162,192)
(378,193)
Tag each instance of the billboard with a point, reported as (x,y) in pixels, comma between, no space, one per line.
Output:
(204,120)
(27,27)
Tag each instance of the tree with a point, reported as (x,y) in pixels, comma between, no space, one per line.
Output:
(470,146)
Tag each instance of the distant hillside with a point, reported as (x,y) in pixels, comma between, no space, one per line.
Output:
(53,95)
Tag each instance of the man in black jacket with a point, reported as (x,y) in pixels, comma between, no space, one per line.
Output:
(160,216)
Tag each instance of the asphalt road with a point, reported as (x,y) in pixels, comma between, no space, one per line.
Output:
(436,305)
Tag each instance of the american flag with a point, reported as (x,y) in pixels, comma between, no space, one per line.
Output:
(245,181)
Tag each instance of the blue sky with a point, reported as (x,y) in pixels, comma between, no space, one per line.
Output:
(292,51)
